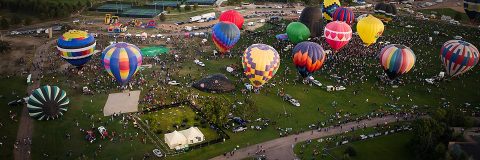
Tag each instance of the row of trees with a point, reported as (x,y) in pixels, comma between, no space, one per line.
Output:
(44,9)
(14,20)
(4,47)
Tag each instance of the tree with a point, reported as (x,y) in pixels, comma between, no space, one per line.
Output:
(168,9)
(28,21)
(15,20)
(429,133)
(458,16)
(195,6)
(4,23)
(188,8)
(162,17)
(4,47)
(216,112)
(350,151)
(179,8)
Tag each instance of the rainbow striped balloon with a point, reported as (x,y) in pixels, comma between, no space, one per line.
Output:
(76,47)
(260,63)
(344,14)
(458,57)
(122,61)
(396,60)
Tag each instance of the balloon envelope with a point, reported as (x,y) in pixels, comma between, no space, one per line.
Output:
(344,14)
(297,32)
(308,57)
(385,12)
(472,9)
(370,29)
(122,61)
(458,57)
(76,47)
(260,63)
(329,6)
(232,16)
(47,102)
(225,35)
(396,60)
(312,18)
(337,34)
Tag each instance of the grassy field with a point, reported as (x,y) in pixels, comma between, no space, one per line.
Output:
(316,103)
(445,11)
(13,88)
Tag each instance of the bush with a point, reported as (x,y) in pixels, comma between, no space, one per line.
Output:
(188,8)
(162,17)
(185,120)
(350,151)
(158,131)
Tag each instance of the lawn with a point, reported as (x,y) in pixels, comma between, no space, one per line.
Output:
(13,88)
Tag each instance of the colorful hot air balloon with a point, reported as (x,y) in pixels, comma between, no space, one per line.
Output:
(370,29)
(385,12)
(47,102)
(312,18)
(472,9)
(396,60)
(260,63)
(297,32)
(329,6)
(122,61)
(225,35)
(458,57)
(308,57)
(232,16)
(76,47)
(344,14)
(337,34)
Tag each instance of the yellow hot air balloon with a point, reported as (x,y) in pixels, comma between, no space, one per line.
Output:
(329,6)
(260,63)
(369,29)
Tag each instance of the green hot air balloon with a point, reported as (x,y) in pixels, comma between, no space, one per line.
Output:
(297,32)
(47,102)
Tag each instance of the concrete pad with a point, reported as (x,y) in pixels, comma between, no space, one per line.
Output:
(124,102)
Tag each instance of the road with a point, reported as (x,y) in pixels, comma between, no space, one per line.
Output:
(25,128)
(282,148)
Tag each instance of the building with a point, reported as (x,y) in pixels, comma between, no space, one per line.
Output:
(182,139)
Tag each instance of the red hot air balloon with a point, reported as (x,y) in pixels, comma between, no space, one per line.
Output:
(232,16)
(337,34)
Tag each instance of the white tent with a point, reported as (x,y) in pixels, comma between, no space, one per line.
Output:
(193,135)
(175,140)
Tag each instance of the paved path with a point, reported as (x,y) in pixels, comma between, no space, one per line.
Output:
(25,128)
(282,148)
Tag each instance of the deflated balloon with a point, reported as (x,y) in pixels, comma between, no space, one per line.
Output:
(297,32)
(396,60)
(308,57)
(370,29)
(260,63)
(225,35)
(458,57)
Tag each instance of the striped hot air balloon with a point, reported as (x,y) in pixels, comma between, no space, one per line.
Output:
(122,61)
(47,103)
(260,63)
(308,57)
(76,47)
(337,34)
(232,16)
(329,6)
(344,14)
(396,60)
(458,57)
(225,35)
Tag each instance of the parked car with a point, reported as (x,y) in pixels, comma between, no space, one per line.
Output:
(239,129)
(294,102)
(239,121)
(316,82)
(157,153)
(173,83)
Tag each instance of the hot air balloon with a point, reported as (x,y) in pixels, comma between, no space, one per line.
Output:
(312,18)
(225,35)
(297,32)
(232,16)
(458,57)
(329,6)
(344,14)
(122,61)
(472,9)
(308,57)
(396,60)
(385,12)
(76,47)
(260,63)
(370,29)
(337,34)
(47,103)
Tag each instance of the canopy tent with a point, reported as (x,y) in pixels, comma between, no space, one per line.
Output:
(193,135)
(175,140)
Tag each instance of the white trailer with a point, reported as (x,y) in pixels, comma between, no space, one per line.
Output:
(195,18)
(208,16)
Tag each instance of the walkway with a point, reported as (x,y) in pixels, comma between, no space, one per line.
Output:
(25,128)
(282,148)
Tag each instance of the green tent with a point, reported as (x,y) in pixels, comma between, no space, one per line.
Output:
(154,51)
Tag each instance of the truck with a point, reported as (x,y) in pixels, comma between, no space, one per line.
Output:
(195,18)
(208,16)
